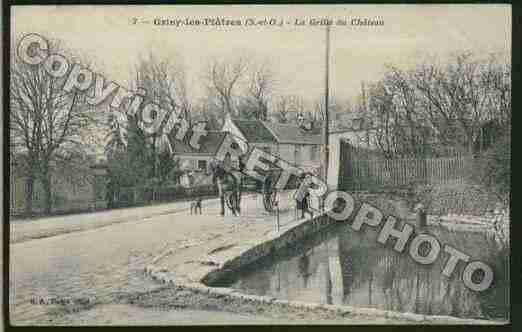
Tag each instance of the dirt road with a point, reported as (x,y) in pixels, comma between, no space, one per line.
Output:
(104,265)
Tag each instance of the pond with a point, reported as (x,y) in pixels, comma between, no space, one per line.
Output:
(341,266)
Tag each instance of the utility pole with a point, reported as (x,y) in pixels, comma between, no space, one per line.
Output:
(326,111)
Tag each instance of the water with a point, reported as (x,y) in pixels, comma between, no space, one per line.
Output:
(343,266)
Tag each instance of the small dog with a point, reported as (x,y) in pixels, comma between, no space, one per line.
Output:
(196,206)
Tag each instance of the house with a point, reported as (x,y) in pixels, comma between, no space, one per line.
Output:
(292,143)
(193,159)
(194,162)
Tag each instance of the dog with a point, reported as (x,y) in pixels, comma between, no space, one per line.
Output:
(196,206)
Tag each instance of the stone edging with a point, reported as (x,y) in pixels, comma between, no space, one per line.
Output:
(275,242)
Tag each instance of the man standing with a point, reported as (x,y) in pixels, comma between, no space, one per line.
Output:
(227,179)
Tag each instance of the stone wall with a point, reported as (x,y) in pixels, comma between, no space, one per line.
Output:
(440,200)
(457,199)
(268,246)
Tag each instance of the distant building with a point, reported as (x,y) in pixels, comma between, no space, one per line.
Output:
(292,143)
(193,159)
(194,162)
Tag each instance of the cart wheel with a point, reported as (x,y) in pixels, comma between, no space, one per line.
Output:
(231,201)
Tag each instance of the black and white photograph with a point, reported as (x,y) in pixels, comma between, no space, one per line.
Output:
(218,165)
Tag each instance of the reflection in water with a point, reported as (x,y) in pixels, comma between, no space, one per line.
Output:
(341,266)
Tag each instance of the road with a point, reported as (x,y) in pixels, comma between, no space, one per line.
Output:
(103,264)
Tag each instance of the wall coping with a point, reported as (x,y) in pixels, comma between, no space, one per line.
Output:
(252,252)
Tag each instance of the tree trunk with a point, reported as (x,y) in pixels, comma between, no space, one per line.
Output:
(229,108)
(46,183)
(154,166)
(29,188)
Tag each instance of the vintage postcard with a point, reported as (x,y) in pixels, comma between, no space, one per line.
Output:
(258,165)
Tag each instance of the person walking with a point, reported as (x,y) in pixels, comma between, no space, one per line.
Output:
(303,200)
(198,205)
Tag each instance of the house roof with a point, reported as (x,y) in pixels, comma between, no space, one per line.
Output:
(287,133)
(256,131)
(209,144)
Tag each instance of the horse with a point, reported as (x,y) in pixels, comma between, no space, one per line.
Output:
(229,183)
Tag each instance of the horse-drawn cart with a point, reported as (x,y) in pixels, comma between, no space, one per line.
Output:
(237,182)
(232,182)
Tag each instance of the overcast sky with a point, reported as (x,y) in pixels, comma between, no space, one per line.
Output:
(297,52)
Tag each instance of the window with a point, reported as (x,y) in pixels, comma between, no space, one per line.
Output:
(202,165)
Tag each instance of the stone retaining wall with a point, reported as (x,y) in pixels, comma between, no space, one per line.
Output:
(269,245)
(234,261)
(457,199)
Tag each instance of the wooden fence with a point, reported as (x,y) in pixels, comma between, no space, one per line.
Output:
(370,174)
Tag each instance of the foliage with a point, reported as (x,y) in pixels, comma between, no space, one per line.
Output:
(136,158)
(48,125)
(438,104)
(494,168)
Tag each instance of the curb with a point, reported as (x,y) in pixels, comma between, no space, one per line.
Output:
(233,294)
(199,287)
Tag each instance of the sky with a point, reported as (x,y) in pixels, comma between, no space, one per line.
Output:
(297,53)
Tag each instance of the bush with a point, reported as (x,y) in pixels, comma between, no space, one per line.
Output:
(494,168)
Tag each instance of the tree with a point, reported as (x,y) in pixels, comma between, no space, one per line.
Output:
(117,136)
(210,112)
(136,158)
(168,168)
(338,112)
(288,108)
(497,169)
(461,95)
(46,124)
(393,105)
(258,94)
(165,81)
(222,78)
(437,107)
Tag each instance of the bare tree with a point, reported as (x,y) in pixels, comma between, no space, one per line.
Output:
(282,109)
(222,78)
(260,89)
(288,108)
(438,107)
(462,95)
(406,131)
(46,125)
(339,109)
(165,81)
(210,110)
(387,135)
